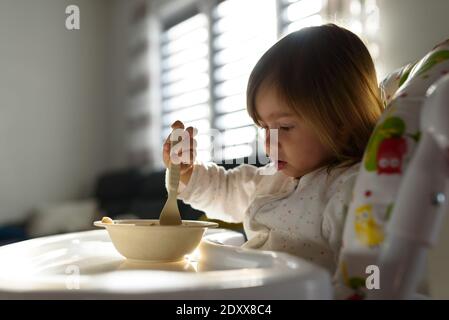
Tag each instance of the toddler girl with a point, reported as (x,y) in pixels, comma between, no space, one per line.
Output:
(318,88)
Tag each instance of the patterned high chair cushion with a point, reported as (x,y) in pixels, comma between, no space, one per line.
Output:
(386,157)
(393,81)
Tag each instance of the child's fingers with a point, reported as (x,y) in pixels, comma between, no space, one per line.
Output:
(167,142)
(191,157)
(189,144)
(184,150)
(192,131)
(177,125)
(192,143)
(187,166)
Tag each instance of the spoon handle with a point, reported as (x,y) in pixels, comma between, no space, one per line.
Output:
(170,212)
(173,178)
(174,173)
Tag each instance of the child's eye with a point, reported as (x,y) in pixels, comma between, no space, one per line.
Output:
(285,128)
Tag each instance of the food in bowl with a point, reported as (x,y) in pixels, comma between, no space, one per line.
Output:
(107,220)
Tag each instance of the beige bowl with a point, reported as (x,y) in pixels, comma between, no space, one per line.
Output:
(146,240)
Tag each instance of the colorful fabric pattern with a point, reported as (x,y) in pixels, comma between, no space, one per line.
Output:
(387,155)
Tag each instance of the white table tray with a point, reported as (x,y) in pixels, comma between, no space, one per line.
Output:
(85,265)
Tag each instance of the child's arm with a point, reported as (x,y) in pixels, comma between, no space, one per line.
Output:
(221,194)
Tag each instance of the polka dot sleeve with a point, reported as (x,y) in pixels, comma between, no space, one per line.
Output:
(221,194)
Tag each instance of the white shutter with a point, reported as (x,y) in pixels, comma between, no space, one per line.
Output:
(364,21)
(242,30)
(185,78)
(297,14)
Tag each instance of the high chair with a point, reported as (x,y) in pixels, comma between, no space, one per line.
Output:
(397,208)
(399,198)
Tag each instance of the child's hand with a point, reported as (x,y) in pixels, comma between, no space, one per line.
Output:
(187,146)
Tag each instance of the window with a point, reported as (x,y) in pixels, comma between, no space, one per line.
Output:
(297,14)
(206,59)
(359,16)
(364,21)
(239,40)
(185,77)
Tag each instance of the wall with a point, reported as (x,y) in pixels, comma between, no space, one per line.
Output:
(53,103)
(409,28)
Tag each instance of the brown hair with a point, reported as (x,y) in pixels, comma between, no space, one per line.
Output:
(325,74)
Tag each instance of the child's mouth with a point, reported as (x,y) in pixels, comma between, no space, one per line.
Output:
(281,164)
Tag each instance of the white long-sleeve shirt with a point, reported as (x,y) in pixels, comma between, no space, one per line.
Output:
(303,217)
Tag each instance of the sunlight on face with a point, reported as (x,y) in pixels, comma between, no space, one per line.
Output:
(299,149)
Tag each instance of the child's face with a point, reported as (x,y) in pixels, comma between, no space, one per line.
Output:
(299,149)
